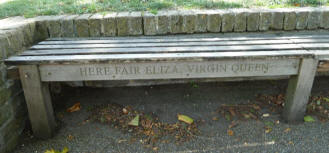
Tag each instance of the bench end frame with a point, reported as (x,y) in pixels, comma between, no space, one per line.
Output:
(38,101)
(299,90)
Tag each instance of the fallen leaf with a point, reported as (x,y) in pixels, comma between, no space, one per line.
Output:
(70,137)
(215,118)
(232,111)
(155,148)
(125,111)
(290,142)
(326,99)
(74,108)
(233,124)
(230,132)
(268,129)
(185,119)
(65,150)
(309,119)
(266,115)
(135,121)
(287,130)
(268,123)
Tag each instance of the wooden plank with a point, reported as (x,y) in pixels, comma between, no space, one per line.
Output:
(299,90)
(191,41)
(170,70)
(38,101)
(172,46)
(246,36)
(126,58)
(321,54)
(192,49)
(172,41)
(54,44)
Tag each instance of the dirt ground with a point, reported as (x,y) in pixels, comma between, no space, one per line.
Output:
(200,102)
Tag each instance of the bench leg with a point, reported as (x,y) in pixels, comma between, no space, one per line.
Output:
(299,90)
(38,101)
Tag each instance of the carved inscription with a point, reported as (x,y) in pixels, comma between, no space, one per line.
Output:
(172,69)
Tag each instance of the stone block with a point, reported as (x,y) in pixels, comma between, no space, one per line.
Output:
(277,20)
(135,23)
(81,24)
(41,30)
(129,23)
(32,26)
(6,112)
(95,25)
(10,145)
(313,20)
(3,47)
(228,19)
(109,24)
(3,75)
(301,19)
(325,19)
(253,20)
(289,20)
(150,23)
(54,26)
(163,23)
(12,128)
(15,41)
(265,20)
(18,105)
(240,23)
(176,22)
(189,21)
(122,21)
(67,28)
(214,21)
(201,21)
(4,95)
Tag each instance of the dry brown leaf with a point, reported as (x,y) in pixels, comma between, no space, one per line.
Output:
(232,111)
(215,118)
(287,130)
(230,132)
(74,108)
(233,124)
(70,137)
(268,129)
(125,111)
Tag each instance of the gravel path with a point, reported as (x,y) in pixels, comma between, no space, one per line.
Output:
(199,103)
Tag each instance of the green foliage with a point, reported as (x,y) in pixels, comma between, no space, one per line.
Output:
(30,8)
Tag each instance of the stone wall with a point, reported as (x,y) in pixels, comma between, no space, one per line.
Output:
(18,33)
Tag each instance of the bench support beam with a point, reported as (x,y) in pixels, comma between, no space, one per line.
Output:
(299,90)
(38,101)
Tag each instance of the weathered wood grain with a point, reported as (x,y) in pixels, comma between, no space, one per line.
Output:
(170,70)
(126,58)
(38,101)
(162,50)
(298,91)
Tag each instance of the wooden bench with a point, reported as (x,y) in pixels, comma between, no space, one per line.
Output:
(168,57)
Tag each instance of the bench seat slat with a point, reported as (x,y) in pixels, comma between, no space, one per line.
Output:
(110,58)
(157,44)
(192,49)
(201,37)
(174,40)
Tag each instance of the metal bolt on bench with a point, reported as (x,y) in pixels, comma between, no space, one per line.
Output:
(168,57)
